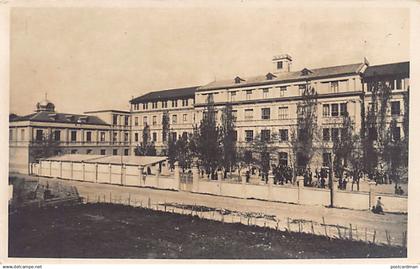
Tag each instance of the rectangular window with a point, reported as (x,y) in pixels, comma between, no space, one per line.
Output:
(114,119)
(102,138)
(145,106)
(174,119)
(326,159)
(326,134)
(164,104)
(248,94)
(232,96)
(390,84)
(145,120)
(249,114)
(184,117)
(126,120)
(343,109)
(395,108)
(73,136)
(57,135)
(265,113)
(284,134)
(88,136)
(335,133)
(334,86)
(154,120)
(265,135)
(265,93)
(174,103)
(399,84)
(125,137)
(302,88)
(326,110)
(154,105)
(73,151)
(39,135)
(136,121)
(372,134)
(115,152)
(154,136)
(103,152)
(126,152)
(234,115)
(235,135)
(283,90)
(88,151)
(115,137)
(279,65)
(396,133)
(283,112)
(173,136)
(283,158)
(22,134)
(249,135)
(164,136)
(334,110)
(136,137)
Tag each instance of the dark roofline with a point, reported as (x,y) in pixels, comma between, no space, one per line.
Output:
(107,110)
(167,94)
(382,71)
(31,118)
(276,81)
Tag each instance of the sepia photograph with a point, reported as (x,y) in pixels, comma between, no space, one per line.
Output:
(239,131)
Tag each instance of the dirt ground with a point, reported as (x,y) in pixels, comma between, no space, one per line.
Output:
(117,231)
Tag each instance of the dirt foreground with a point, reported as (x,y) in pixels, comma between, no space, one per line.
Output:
(117,231)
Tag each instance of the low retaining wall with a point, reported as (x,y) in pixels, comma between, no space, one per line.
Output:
(131,175)
(301,195)
(128,175)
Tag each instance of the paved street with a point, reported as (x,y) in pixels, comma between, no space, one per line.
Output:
(395,224)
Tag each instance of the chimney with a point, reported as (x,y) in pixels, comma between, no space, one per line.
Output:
(282,63)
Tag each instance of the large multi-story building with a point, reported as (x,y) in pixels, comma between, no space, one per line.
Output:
(268,104)
(261,105)
(104,134)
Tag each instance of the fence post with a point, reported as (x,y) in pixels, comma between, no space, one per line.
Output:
(372,185)
(83,171)
(61,169)
(110,172)
(195,175)
(177,174)
(325,226)
(300,188)
(96,172)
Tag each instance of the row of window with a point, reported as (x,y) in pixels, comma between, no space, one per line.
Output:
(115,119)
(174,119)
(265,135)
(281,90)
(395,107)
(393,84)
(102,151)
(164,104)
(56,136)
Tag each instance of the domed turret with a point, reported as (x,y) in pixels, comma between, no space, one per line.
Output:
(45,105)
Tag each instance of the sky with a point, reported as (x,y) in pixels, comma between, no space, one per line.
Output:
(99,58)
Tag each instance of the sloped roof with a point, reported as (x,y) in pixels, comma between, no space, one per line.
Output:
(46,116)
(402,68)
(286,77)
(166,94)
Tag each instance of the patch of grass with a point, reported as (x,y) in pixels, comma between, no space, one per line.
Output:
(117,231)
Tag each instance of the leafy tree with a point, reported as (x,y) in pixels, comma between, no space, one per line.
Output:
(183,153)
(171,151)
(146,147)
(356,160)
(165,130)
(208,140)
(263,148)
(393,154)
(342,147)
(228,138)
(44,148)
(304,135)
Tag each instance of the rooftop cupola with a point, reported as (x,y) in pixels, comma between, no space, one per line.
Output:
(45,105)
(282,63)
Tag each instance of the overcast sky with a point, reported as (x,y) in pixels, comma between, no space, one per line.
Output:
(91,58)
